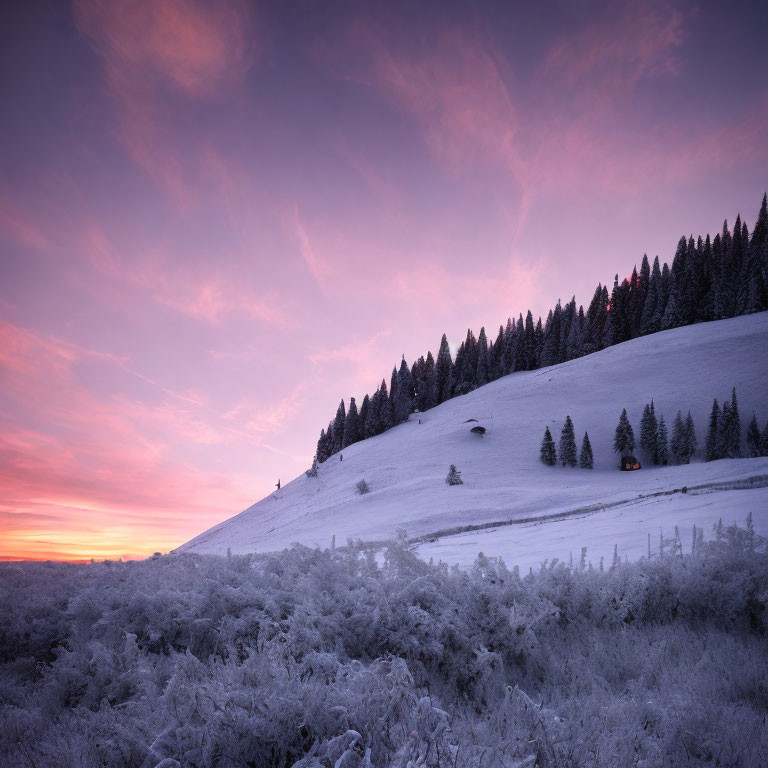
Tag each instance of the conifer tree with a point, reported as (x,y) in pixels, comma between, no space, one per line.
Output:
(743,288)
(393,397)
(470,368)
(372,416)
(722,247)
(431,389)
(693,274)
(668,319)
(418,383)
(764,441)
(630,299)
(496,356)
(624,439)
(661,307)
(712,443)
(444,366)
(384,410)
(517,348)
(567,448)
(548,452)
(482,375)
(758,256)
(674,314)
(585,457)
(454,476)
(363,418)
(595,322)
(723,430)
(529,344)
(691,443)
(351,424)
(677,445)
(338,428)
(705,306)
(718,268)
(312,471)
(605,339)
(662,443)
(538,343)
(618,316)
(574,346)
(649,317)
(640,294)
(404,395)
(549,352)
(648,428)
(753,438)
(321,452)
(511,337)
(458,384)
(567,321)
(737,268)
(733,429)
(465,365)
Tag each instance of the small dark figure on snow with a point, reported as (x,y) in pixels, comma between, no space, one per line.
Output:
(341,457)
(278,483)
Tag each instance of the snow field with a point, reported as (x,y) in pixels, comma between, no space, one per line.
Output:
(405,468)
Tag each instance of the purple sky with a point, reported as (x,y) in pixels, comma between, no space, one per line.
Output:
(218,218)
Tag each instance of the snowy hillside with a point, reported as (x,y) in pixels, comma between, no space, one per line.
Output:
(504,481)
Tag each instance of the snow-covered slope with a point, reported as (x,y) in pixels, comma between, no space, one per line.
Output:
(405,468)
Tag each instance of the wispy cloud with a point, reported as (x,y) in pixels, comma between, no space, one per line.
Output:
(153,48)
(269,418)
(209,292)
(453,88)
(18,226)
(567,124)
(317,266)
(361,361)
(610,56)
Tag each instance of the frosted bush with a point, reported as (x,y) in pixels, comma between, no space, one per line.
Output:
(325,659)
(454,476)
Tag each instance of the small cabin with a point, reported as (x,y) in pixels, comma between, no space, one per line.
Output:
(629,464)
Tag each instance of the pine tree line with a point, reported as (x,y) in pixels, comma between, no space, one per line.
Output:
(724,433)
(655,443)
(709,279)
(567,448)
(723,438)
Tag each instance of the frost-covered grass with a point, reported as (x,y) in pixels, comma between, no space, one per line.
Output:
(324,658)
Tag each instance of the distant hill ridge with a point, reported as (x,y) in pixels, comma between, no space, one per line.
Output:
(710,279)
(503,479)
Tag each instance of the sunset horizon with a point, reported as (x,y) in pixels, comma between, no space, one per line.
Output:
(217,220)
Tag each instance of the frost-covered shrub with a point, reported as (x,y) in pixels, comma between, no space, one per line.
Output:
(327,658)
(454,476)
(362,487)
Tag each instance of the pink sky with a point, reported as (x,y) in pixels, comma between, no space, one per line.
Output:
(219,218)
